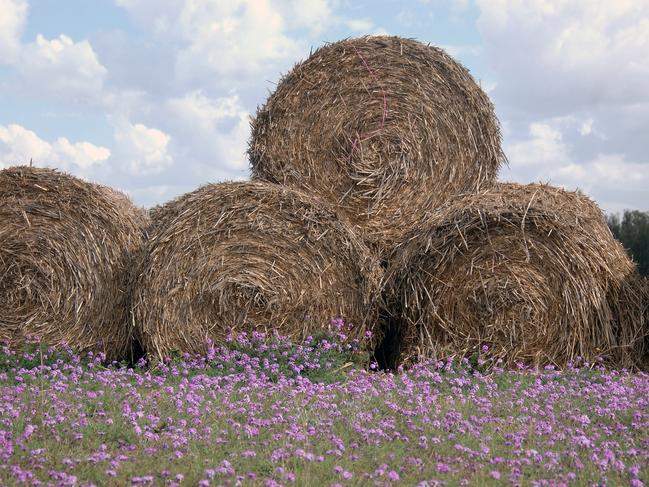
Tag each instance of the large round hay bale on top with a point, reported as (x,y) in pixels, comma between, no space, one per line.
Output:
(245,256)
(530,272)
(66,248)
(385,128)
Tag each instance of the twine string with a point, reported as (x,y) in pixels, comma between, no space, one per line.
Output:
(362,138)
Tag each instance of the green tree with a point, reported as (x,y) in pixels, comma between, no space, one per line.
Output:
(632,230)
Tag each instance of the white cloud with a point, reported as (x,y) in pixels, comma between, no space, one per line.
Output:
(214,130)
(61,66)
(175,16)
(126,103)
(360,25)
(195,108)
(18,145)
(453,4)
(82,154)
(214,42)
(13,14)
(312,14)
(143,150)
(232,37)
(546,155)
(156,15)
(608,170)
(586,128)
(582,69)
(461,50)
(381,31)
(559,55)
(544,148)
(154,194)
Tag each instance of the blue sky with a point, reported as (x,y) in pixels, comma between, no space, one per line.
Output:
(154,96)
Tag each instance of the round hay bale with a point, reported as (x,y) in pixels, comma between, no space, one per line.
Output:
(249,256)
(66,248)
(530,272)
(385,128)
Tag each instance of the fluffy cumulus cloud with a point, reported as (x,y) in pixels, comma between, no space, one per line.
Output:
(612,169)
(141,149)
(158,16)
(545,155)
(58,66)
(615,182)
(314,15)
(213,130)
(13,14)
(543,148)
(232,37)
(19,145)
(568,79)
(177,96)
(70,68)
(568,55)
(571,90)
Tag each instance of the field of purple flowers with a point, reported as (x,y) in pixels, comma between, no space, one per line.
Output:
(261,411)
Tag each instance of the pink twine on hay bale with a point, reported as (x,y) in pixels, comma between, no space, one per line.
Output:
(384,113)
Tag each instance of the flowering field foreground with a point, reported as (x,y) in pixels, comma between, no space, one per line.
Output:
(264,412)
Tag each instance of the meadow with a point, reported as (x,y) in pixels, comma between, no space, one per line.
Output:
(262,411)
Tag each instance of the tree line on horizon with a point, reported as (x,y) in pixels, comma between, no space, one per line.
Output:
(632,230)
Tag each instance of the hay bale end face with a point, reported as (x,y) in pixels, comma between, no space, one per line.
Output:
(246,256)
(530,272)
(385,128)
(65,253)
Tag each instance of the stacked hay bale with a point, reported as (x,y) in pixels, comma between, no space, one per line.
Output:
(66,247)
(385,128)
(246,256)
(377,147)
(391,131)
(530,272)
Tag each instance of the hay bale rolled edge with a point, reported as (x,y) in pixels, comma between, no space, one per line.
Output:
(65,259)
(244,256)
(386,128)
(530,271)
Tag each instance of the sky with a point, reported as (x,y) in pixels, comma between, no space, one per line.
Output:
(154,97)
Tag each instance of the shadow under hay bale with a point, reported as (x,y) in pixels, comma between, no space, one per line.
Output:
(249,256)
(66,249)
(529,272)
(385,128)
(387,353)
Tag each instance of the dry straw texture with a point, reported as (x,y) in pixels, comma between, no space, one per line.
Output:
(66,247)
(532,272)
(247,256)
(385,127)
